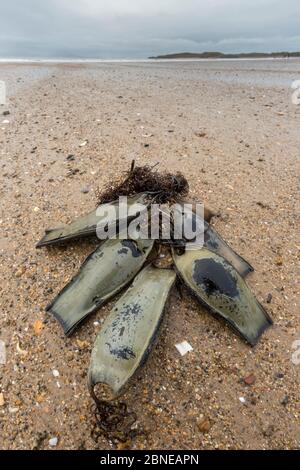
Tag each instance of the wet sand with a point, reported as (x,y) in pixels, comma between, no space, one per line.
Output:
(234,132)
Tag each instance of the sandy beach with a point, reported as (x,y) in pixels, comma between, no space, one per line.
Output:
(232,129)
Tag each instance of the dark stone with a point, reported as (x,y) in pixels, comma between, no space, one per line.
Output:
(85,190)
(285,401)
(269,298)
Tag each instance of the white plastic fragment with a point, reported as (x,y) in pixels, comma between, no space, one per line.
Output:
(2,353)
(53,441)
(183,347)
(242,400)
(83,143)
(55,373)
(5,121)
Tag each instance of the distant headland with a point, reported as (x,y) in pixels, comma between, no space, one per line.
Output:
(220,55)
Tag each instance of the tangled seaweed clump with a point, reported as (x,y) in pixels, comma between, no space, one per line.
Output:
(214,274)
(145,179)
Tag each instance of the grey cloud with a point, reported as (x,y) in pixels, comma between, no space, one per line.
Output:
(139,28)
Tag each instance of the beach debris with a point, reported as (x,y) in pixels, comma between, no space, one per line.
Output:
(279,261)
(214,273)
(21,351)
(249,379)
(2,401)
(71,158)
(269,298)
(55,373)
(5,121)
(285,400)
(85,190)
(2,353)
(183,347)
(263,205)
(83,144)
(82,344)
(38,326)
(53,441)
(279,375)
(204,425)
(13,409)
(6,113)
(269,430)
(20,271)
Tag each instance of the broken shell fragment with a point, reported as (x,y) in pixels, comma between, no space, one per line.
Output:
(103,274)
(128,334)
(87,224)
(219,287)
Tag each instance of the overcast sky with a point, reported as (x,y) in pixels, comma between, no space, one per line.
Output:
(139,28)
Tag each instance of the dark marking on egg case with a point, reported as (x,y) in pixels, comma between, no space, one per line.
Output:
(133,247)
(214,278)
(125,313)
(123,251)
(123,352)
(209,241)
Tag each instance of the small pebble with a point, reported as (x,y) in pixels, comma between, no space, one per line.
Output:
(204,425)
(269,298)
(55,373)
(85,190)
(13,410)
(2,353)
(285,401)
(53,441)
(20,271)
(250,379)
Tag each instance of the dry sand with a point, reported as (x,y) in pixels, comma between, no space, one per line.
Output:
(233,131)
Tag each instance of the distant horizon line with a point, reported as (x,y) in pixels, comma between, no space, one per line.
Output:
(183,54)
(167,57)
